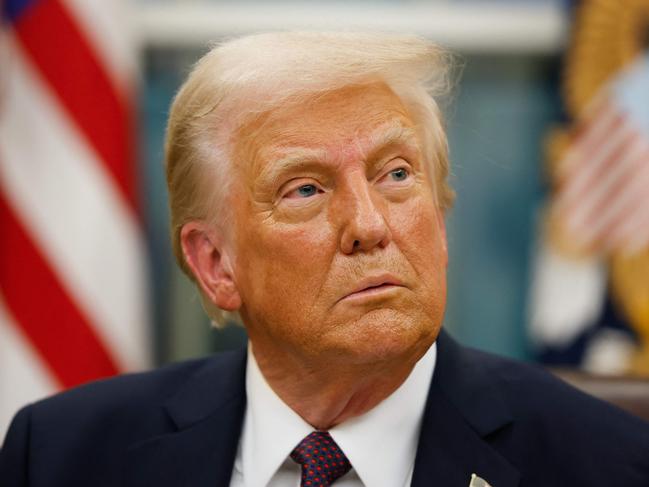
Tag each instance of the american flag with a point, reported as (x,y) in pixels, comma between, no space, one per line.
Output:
(602,205)
(600,209)
(73,301)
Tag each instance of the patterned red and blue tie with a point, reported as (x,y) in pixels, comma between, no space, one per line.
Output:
(322,460)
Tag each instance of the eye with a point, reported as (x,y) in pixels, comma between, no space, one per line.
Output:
(400,174)
(304,191)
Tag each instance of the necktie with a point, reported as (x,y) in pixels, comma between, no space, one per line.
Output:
(321,459)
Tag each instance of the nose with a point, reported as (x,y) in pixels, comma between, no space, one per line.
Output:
(364,224)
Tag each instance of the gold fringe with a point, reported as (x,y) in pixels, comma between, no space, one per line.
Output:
(606,36)
(630,285)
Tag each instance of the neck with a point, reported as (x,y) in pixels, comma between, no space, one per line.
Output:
(326,395)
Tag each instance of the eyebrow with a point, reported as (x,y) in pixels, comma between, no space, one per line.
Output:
(382,138)
(390,135)
(297,158)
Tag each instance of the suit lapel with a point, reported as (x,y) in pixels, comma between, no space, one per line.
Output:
(462,410)
(207,415)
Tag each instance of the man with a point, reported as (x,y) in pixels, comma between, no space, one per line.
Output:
(307,177)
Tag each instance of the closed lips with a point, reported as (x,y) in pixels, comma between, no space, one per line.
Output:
(374,283)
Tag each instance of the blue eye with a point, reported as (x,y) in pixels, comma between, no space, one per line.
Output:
(399,174)
(307,190)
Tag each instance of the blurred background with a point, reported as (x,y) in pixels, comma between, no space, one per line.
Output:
(549,136)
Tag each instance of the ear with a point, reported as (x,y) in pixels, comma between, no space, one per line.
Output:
(211,264)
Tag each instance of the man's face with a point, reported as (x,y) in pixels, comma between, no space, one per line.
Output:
(340,249)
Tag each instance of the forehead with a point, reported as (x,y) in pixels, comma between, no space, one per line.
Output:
(351,119)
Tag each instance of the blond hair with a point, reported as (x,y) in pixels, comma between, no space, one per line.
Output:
(248,76)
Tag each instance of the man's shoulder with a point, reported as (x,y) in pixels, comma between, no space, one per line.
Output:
(82,436)
(128,405)
(134,391)
(579,435)
(533,393)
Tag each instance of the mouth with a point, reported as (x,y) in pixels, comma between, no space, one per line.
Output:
(374,287)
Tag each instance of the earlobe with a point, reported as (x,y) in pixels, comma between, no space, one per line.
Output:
(210,264)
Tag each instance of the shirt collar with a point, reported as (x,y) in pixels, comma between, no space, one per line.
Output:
(387,435)
(271,428)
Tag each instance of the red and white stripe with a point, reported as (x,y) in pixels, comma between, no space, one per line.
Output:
(72,256)
(603,200)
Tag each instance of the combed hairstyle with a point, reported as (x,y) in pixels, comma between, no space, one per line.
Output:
(246,77)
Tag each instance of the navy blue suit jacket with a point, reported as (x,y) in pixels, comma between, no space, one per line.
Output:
(512,424)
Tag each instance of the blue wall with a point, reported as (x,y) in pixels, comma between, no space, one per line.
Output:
(496,130)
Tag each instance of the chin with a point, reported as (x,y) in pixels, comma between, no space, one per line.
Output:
(387,334)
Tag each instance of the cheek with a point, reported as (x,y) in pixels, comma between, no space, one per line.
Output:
(285,260)
(419,236)
(302,245)
(416,229)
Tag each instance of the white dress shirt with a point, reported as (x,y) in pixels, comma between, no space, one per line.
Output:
(381,444)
